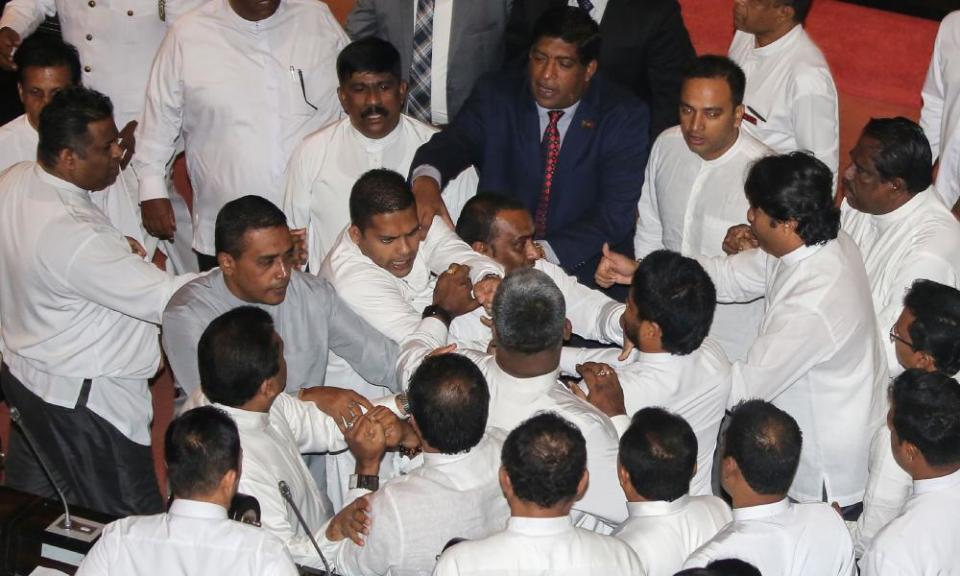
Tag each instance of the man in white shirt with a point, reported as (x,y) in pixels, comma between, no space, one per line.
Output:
(243,81)
(543,474)
(901,226)
(791,100)
(924,422)
(80,314)
(761,451)
(658,457)
(453,494)
(375,134)
(819,354)
(202,456)
(676,366)
(940,116)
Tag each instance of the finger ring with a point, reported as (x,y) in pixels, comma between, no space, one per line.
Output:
(602,373)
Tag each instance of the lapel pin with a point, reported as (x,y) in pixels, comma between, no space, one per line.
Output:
(587,124)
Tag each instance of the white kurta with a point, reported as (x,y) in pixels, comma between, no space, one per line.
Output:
(818,357)
(920,239)
(687,205)
(888,488)
(325,166)
(792,95)
(695,386)
(940,117)
(922,541)
(664,534)
(783,539)
(242,95)
(415,515)
(192,538)
(76,303)
(540,546)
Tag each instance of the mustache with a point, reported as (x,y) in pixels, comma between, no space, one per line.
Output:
(368,112)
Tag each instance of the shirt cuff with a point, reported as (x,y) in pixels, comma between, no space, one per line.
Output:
(153,187)
(612,330)
(548,252)
(428,171)
(621,423)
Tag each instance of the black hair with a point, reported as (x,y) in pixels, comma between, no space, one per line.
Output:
(800,9)
(378,191)
(926,413)
(200,446)
(796,186)
(529,312)
(713,66)
(765,442)
(237,352)
(936,328)
(904,152)
(238,216)
(659,451)
(545,457)
(64,122)
(724,567)
(572,25)
(371,54)
(46,51)
(449,400)
(479,214)
(675,292)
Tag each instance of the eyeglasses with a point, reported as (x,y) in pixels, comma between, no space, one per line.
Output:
(894,338)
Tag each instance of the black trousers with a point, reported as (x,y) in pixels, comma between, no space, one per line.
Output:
(94,464)
(206,262)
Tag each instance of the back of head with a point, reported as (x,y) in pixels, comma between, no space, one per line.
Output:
(378,191)
(713,66)
(64,122)
(725,567)
(239,216)
(676,293)
(528,312)
(659,451)
(545,457)
(45,51)
(796,186)
(904,152)
(801,8)
(926,413)
(200,447)
(573,26)
(371,55)
(449,401)
(936,329)
(237,352)
(479,214)
(765,442)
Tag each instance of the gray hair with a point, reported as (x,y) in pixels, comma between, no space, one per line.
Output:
(529,312)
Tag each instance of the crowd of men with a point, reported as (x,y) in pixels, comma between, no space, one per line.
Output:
(479,287)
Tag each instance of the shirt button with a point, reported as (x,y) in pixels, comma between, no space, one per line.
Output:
(91,3)
(129,12)
(87,68)
(89,36)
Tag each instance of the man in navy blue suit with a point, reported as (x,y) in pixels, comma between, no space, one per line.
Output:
(569,144)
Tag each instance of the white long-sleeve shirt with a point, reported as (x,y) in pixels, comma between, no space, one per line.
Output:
(664,534)
(76,303)
(940,117)
(192,538)
(242,94)
(695,386)
(415,515)
(818,357)
(687,205)
(791,95)
(920,239)
(922,540)
(540,546)
(783,539)
(323,169)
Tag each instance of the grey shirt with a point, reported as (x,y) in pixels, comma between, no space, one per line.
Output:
(312,320)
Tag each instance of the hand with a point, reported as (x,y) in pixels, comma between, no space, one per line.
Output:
(837,509)
(429,204)
(136,247)
(128,142)
(453,291)
(604,386)
(738,239)
(367,442)
(9,41)
(352,522)
(343,405)
(614,268)
(300,252)
(158,218)
(486,289)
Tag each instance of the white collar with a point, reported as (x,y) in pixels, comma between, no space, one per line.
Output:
(197,509)
(657,507)
(534,386)
(762,511)
(539,526)
(59,183)
(936,484)
(731,152)
(659,358)
(801,254)
(377,144)
(918,201)
(247,419)
(779,44)
(568,112)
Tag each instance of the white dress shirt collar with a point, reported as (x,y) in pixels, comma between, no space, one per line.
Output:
(731,154)
(800,254)
(539,526)
(779,44)
(247,419)
(535,386)
(659,358)
(936,484)
(197,509)
(377,144)
(436,459)
(59,183)
(657,507)
(885,221)
(762,511)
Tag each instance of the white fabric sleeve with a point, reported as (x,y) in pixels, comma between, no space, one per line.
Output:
(314,430)
(443,247)
(649,234)
(593,314)
(931,116)
(24,16)
(737,278)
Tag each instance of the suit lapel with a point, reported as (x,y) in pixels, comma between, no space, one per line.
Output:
(580,133)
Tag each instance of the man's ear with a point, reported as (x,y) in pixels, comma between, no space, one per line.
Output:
(738,115)
(342,98)
(505,485)
(403,90)
(898,186)
(66,159)
(924,361)
(623,476)
(226,263)
(228,483)
(481,248)
(729,468)
(355,233)
(567,329)
(591,70)
(583,485)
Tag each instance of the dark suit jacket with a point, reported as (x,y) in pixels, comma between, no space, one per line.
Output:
(599,174)
(645,47)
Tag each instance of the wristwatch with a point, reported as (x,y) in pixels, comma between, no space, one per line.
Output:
(371,483)
(436,311)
